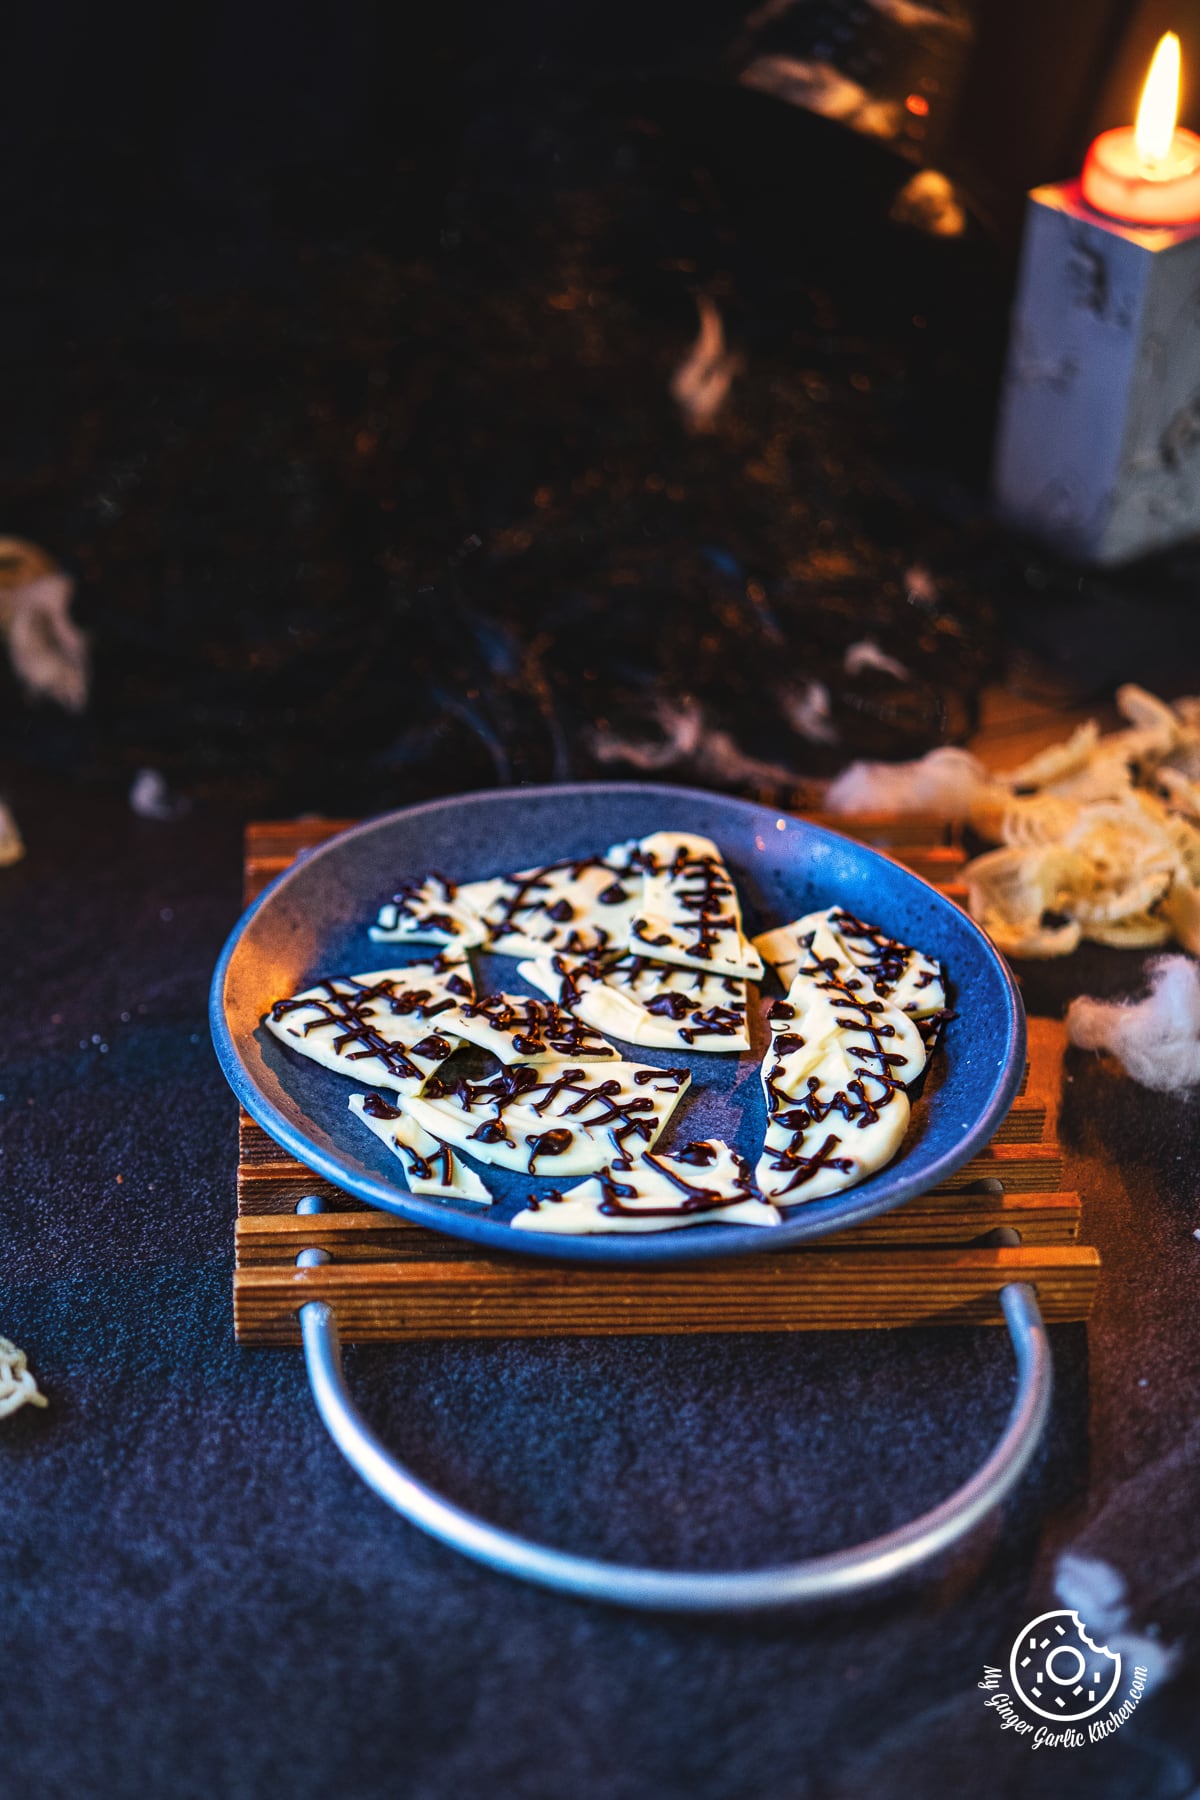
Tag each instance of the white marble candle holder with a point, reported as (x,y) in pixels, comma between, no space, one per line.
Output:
(1098,447)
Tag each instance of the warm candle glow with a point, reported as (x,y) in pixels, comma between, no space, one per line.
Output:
(1148,173)
(1160,102)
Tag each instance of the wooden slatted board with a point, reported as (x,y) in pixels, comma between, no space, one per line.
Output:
(928,1262)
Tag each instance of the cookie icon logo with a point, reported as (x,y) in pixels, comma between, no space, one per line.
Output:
(1057,1670)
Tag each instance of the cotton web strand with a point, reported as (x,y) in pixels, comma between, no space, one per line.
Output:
(17,1386)
(1156,1040)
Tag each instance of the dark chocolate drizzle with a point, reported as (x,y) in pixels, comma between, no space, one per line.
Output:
(857,1106)
(883,959)
(696,1198)
(410,903)
(376,1107)
(672,1003)
(805,1168)
(353,1012)
(932,1026)
(538,1028)
(548,1143)
(502,917)
(700,1155)
(596,1104)
(703,888)
(439,1168)
(492,1132)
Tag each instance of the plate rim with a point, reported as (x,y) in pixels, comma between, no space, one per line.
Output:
(803,1225)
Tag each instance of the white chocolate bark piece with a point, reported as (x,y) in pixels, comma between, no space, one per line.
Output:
(428,912)
(429,1166)
(689,911)
(643,1002)
(832,1125)
(836,1001)
(568,1119)
(702,1184)
(834,1080)
(518,1029)
(386,1028)
(576,906)
(906,978)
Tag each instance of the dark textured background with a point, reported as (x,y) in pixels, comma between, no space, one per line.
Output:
(336,356)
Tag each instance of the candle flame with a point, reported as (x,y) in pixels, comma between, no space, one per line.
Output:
(1160,102)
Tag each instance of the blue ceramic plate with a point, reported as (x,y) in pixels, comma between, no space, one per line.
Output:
(313,921)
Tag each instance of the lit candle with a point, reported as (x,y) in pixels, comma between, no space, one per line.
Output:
(1148,173)
(1098,442)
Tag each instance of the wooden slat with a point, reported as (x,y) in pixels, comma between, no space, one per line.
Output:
(1025,1124)
(1023,1168)
(940,864)
(1043,1071)
(958,1218)
(285,837)
(268,838)
(1020,1168)
(275,1188)
(821,1290)
(890,831)
(931,848)
(271,845)
(276,1239)
(280,1189)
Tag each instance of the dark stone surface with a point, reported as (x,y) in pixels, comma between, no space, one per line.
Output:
(199,1598)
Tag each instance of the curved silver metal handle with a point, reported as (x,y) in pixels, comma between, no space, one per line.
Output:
(829,1577)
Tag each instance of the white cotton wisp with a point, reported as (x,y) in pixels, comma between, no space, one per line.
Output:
(17,1385)
(1156,1040)
(46,647)
(1096,1594)
(943,784)
(700,385)
(867,654)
